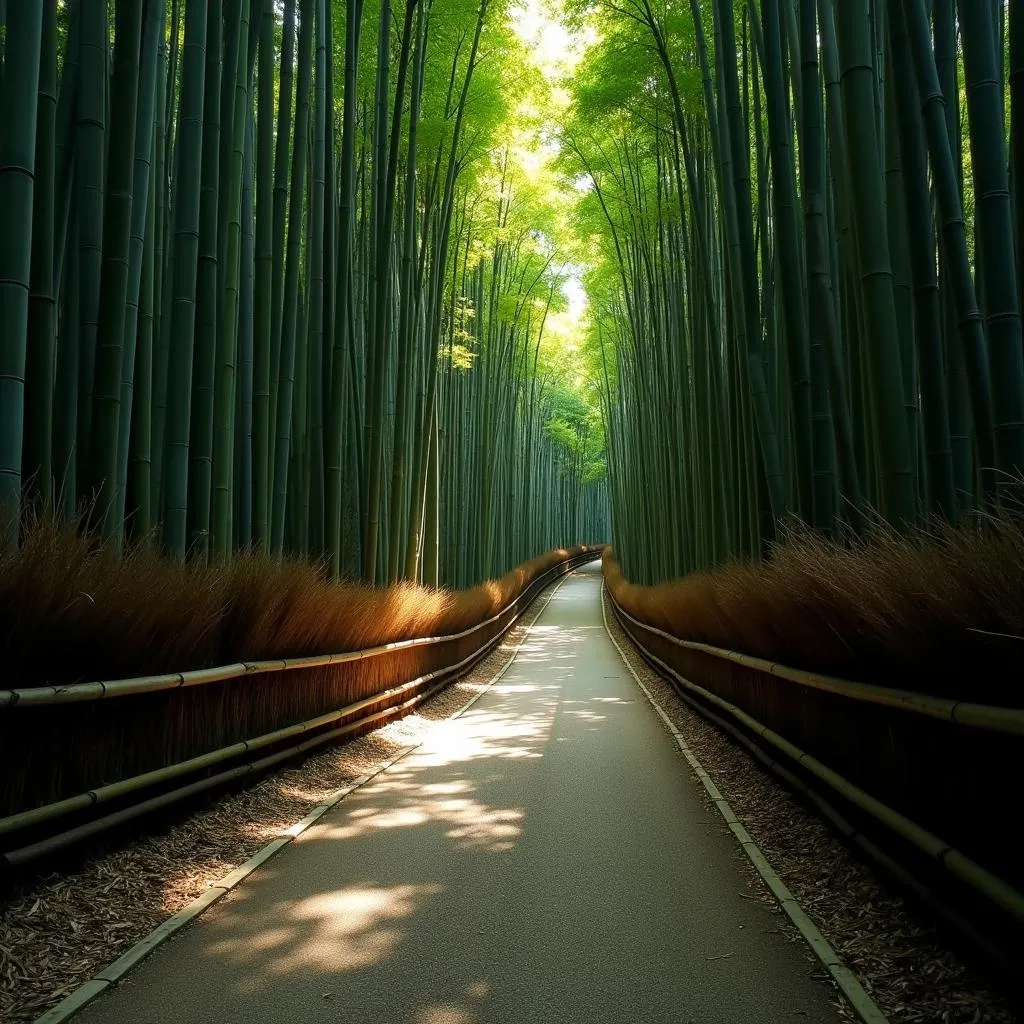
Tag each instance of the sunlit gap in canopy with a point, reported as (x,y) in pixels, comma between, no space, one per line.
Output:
(555,50)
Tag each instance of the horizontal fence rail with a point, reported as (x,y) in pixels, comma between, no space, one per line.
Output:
(60,715)
(981,716)
(896,759)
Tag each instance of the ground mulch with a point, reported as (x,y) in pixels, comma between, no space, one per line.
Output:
(899,957)
(58,931)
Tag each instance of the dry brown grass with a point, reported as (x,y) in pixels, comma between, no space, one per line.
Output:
(941,612)
(72,611)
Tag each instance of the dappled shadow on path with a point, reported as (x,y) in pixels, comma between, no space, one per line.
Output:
(350,911)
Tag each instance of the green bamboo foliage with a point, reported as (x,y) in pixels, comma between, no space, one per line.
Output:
(236,92)
(791,280)
(264,276)
(756,364)
(927,310)
(871,262)
(138,324)
(248,292)
(290,298)
(944,160)
(318,307)
(280,207)
(204,357)
(19,100)
(341,345)
(264,285)
(406,325)
(184,267)
(113,293)
(995,242)
(90,149)
(833,428)
(42,313)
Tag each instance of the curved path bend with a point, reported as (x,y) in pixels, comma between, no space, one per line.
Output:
(546,857)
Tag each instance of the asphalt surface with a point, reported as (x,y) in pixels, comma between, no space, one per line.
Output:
(546,857)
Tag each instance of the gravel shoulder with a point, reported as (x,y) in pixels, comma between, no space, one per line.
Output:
(57,931)
(903,962)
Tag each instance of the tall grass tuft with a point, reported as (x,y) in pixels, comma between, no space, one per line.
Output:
(941,612)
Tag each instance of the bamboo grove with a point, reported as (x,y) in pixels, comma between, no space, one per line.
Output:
(269,279)
(806,223)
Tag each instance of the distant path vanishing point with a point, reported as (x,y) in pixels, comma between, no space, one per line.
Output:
(545,857)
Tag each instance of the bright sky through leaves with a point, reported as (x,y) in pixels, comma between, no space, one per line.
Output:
(556,52)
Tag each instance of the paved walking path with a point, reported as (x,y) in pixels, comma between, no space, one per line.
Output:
(544,858)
